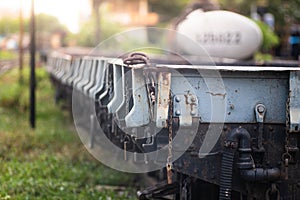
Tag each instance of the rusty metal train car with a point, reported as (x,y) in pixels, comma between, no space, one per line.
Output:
(225,131)
(242,136)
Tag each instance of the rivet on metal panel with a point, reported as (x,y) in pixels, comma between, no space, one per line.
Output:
(177,98)
(185,107)
(271,128)
(261,108)
(193,112)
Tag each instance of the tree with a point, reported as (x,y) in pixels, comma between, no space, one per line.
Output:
(239,6)
(285,12)
(10,25)
(46,26)
(167,10)
(96,15)
(86,34)
(49,24)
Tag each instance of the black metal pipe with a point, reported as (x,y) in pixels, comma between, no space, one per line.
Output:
(261,174)
(240,138)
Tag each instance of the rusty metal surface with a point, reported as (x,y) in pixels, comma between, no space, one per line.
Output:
(207,168)
(255,99)
(185,107)
(163,99)
(294,101)
(242,92)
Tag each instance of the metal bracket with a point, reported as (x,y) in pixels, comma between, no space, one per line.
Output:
(260,111)
(185,107)
(163,99)
(139,115)
(101,72)
(294,101)
(119,89)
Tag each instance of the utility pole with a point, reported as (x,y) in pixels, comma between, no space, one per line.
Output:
(21,52)
(95,10)
(32,66)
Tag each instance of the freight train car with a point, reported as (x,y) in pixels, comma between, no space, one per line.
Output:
(227,130)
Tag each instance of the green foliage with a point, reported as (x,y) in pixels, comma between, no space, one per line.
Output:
(44,23)
(270,39)
(10,25)
(86,35)
(7,55)
(48,23)
(168,10)
(49,162)
(239,6)
(262,57)
(11,92)
(284,11)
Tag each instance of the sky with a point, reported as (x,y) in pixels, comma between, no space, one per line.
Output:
(68,12)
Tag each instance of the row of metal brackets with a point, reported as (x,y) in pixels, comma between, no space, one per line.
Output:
(91,76)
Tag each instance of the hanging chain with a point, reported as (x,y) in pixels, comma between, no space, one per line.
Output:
(287,121)
(286,156)
(170,146)
(287,124)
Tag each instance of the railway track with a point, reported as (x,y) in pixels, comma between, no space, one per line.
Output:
(6,65)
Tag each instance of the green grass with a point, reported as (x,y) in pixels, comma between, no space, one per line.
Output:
(49,162)
(7,55)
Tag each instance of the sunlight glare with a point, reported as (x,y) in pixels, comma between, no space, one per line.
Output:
(68,12)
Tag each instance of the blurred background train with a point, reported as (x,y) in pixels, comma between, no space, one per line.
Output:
(201,116)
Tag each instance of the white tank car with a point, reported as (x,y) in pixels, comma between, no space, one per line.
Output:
(221,34)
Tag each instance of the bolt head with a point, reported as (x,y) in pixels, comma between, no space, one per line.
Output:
(177,112)
(193,99)
(261,109)
(177,99)
(193,112)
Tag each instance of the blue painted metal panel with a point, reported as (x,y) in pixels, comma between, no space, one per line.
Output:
(241,94)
